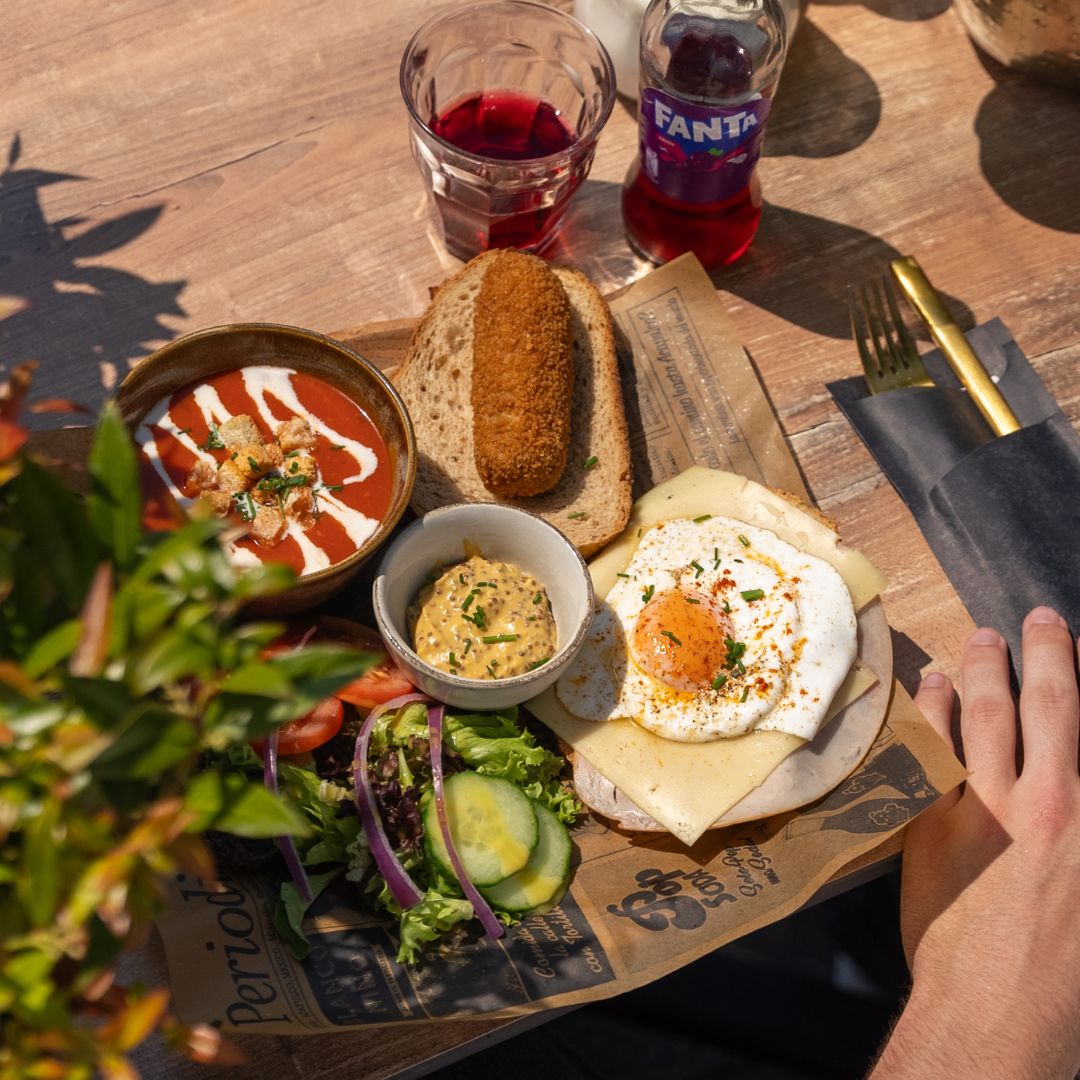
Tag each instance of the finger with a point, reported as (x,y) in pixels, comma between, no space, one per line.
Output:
(1049,708)
(935,699)
(987,714)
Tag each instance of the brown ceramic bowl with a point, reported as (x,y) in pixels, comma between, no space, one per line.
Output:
(221,348)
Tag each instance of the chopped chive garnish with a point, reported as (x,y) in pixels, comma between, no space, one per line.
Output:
(727,608)
(468,601)
(669,634)
(245,505)
(589,462)
(538,663)
(491,670)
(647,595)
(233,456)
(337,446)
(691,600)
(253,464)
(468,646)
(461,578)
(622,575)
(698,567)
(537,597)
(292,453)
(719,681)
(752,594)
(453,660)
(576,516)
(477,618)
(278,484)
(715,558)
(735,650)
(737,560)
(293,466)
(332,487)
(184,431)
(498,639)
(214,441)
(741,666)
(744,540)
(745,693)
(703,517)
(485,585)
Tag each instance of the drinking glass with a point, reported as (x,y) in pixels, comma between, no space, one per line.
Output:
(506,100)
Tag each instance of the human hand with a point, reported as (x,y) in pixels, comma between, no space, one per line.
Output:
(990,881)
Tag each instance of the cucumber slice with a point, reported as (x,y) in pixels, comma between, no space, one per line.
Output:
(493,824)
(541,883)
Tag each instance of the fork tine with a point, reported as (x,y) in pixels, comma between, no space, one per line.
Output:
(907,346)
(874,322)
(859,333)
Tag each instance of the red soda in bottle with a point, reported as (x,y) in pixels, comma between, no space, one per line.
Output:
(709,69)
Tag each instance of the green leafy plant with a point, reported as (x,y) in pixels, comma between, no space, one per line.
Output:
(125,657)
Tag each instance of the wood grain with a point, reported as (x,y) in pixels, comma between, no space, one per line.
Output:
(174,165)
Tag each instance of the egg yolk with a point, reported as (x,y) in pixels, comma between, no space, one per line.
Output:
(679,639)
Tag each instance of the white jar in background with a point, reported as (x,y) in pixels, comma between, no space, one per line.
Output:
(617,23)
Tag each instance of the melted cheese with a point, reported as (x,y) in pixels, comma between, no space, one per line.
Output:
(687,786)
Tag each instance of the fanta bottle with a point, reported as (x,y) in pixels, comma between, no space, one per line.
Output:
(709,70)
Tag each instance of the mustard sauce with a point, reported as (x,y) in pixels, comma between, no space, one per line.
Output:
(483,620)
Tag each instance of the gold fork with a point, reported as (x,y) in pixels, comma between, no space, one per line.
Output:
(889,357)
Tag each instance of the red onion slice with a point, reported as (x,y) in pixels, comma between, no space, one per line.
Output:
(286,845)
(402,887)
(481,908)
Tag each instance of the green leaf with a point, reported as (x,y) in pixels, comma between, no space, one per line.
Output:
(53,519)
(104,701)
(39,883)
(114,506)
(153,743)
(232,804)
(171,657)
(57,645)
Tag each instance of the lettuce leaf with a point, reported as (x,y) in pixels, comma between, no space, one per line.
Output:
(428,921)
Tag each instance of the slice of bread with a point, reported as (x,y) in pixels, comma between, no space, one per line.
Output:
(589,505)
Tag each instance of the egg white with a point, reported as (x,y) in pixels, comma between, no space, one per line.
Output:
(800,636)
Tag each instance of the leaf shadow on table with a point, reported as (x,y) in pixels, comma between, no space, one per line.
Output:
(792,248)
(804,122)
(81,322)
(1022,121)
(901,10)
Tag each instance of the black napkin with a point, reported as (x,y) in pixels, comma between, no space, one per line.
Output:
(1002,514)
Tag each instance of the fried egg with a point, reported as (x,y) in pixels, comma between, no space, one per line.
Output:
(716,628)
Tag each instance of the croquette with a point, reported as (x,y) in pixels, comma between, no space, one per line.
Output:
(522,376)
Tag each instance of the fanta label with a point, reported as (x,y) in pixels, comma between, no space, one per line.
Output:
(700,153)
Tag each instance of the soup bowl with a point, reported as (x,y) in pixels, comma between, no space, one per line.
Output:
(150,393)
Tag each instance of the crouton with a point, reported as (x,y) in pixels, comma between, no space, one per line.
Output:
(301,465)
(232,479)
(219,503)
(300,506)
(254,459)
(269,526)
(239,431)
(295,434)
(203,477)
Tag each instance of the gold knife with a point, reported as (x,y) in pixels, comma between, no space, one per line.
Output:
(950,339)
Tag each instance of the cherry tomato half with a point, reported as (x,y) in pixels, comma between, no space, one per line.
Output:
(318,726)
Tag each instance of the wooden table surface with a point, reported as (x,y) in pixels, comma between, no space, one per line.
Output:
(175,164)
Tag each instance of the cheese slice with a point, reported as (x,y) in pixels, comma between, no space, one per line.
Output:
(687,786)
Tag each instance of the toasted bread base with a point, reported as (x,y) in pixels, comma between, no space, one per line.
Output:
(589,505)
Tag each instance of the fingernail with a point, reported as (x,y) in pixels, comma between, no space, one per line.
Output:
(1045,616)
(934,680)
(986,636)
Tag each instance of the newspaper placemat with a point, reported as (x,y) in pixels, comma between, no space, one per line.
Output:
(640,905)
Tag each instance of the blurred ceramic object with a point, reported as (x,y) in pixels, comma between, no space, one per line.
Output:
(617,23)
(1039,37)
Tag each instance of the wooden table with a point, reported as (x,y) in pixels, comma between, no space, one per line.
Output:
(174,165)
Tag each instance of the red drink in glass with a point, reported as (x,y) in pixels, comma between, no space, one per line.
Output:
(506,126)
(501,162)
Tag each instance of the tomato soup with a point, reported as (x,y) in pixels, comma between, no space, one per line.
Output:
(282,450)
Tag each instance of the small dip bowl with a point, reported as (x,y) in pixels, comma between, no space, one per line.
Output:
(501,533)
(200,355)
